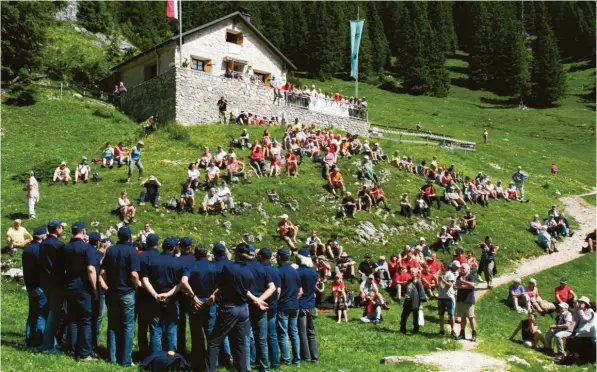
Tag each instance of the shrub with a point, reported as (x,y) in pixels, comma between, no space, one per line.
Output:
(103,112)
(176,131)
(389,83)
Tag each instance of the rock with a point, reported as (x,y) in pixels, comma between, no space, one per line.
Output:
(496,166)
(517,360)
(77,95)
(273,196)
(246,205)
(259,237)
(250,239)
(291,206)
(395,359)
(264,222)
(13,273)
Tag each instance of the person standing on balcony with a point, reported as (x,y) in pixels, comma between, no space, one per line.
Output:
(222,109)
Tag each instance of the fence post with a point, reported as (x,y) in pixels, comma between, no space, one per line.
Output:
(60,90)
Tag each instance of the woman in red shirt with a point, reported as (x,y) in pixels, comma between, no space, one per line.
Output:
(393,265)
(291,164)
(399,281)
(257,160)
(429,281)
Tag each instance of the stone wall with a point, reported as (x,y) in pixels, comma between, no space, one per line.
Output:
(155,96)
(198,93)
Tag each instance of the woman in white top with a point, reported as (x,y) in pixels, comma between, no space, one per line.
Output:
(193,175)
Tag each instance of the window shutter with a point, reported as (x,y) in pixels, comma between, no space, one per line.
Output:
(207,65)
(239,39)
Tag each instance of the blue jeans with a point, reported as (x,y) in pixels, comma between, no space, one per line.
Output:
(225,353)
(99,310)
(272,339)
(165,322)
(233,321)
(79,309)
(55,297)
(36,319)
(306,326)
(121,327)
(183,309)
(287,327)
(202,324)
(259,327)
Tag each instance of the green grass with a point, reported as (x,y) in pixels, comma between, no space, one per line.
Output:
(591,199)
(42,135)
(497,321)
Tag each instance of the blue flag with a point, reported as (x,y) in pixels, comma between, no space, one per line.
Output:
(356,27)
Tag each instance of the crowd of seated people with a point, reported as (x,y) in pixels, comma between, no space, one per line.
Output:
(550,229)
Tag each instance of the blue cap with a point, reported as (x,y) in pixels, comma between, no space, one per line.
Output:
(41,230)
(94,237)
(152,240)
(78,227)
(54,223)
(170,243)
(219,246)
(284,252)
(186,241)
(304,252)
(105,240)
(124,232)
(265,253)
(242,249)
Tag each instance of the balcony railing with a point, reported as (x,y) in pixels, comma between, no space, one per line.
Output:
(326,106)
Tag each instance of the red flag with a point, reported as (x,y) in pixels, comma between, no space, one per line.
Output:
(172,8)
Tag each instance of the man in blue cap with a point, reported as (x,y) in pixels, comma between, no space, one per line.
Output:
(99,304)
(160,279)
(264,256)
(120,269)
(38,309)
(233,285)
(144,299)
(288,307)
(187,258)
(199,282)
(221,260)
(51,260)
(81,289)
(263,287)
(307,311)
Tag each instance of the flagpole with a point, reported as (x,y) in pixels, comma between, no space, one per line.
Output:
(356,94)
(180,30)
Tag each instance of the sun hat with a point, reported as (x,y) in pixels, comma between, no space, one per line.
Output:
(382,258)
(455,264)
(284,216)
(533,280)
(563,305)
(84,158)
(63,163)
(344,254)
(584,299)
(371,276)
(152,178)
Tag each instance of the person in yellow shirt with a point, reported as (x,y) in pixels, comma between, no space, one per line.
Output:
(17,237)
(335,181)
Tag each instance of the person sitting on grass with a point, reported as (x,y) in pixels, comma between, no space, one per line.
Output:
(143,234)
(563,226)
(345,267)
(546,241)
(421,207)
(257,161)
(399,281)
(373,300)
(379,154)
(275,167)
(204,159)
(560,331)
(235,169)
(193,176)
(430,195)
(287,231)
(429,281)
(537,303)
(500,192)
(368,171)
(61,174)
(324,269)
(151,194)
(212,175)
(453,197)
(580,346)
(348,206)
(455,230)
(213,203)
(219,158)
(187,199)
(406,208)
(345,148)
(82,171)
(435,266)
(480,195)
(121,154)
(335,181)
(517,298)
(564,294)
(535,225)
(381,272)
(377,196)
(108,156)
(329,160)
(469,222)
(291,164)
(126,208)
(460,257)
(531,334)
(490,189)
(444,239)
(590,240)
(364,199)
(511,192)
(314,244)
(225,195)
(17,237)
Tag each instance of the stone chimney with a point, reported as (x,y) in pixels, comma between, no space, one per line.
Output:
(246,12)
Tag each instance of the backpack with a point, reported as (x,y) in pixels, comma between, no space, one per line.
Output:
(95,177)
(349,298)
(172,203)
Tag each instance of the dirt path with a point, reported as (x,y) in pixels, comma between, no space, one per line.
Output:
(569,249)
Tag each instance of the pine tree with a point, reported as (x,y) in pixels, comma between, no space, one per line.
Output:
(548,78)
(95,16)
(379,42)
(442,23)
(481,52)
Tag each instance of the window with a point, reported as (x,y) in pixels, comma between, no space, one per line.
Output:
(150,72)
(234,37)
(200,64)
(263,76)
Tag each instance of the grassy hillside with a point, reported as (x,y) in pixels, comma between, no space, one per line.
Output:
(40,136)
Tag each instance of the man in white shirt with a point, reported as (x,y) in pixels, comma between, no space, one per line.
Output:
(213,203)
(446,301)
(82,171)
(561,330)
(219,157)
(314,244)
(32,193)
(145,232)
(212,174)
(225,195)
(61,174)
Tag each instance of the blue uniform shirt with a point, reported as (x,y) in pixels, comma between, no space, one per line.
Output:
(308,282)
(261,278)
(187,260)
(30,266)
(220,262)
(51,262)
(202,277)
(145,258)
(120,260)
(164,272)
(290,283)
(97,264)
(78,255)
(234,282)
(274,274)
